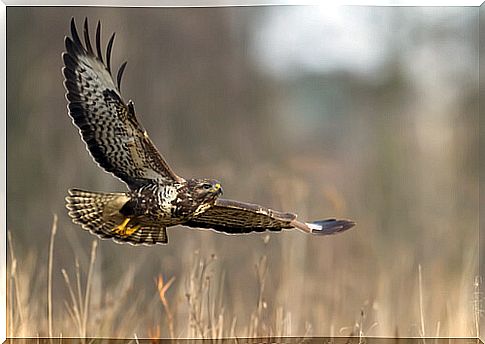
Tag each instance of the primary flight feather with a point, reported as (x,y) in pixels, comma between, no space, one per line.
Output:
(157,197)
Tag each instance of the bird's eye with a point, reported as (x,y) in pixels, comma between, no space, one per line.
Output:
(206,186)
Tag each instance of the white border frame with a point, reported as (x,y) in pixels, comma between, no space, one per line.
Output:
(3,172)
(137,3)
(220,3)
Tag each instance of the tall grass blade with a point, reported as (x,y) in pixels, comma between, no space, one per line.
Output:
(49,277)
(421,311)
(89,285)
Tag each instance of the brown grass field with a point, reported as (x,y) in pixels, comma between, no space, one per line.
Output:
(367,113)
(193,305)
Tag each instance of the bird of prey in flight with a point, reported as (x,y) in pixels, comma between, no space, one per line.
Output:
(157,197)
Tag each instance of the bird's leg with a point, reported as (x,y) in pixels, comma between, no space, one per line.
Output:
(125,231)
(121,229)
(130,231)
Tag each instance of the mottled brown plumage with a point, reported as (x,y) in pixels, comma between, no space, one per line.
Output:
(157,197)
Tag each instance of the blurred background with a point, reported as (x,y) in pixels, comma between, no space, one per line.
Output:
(369,113)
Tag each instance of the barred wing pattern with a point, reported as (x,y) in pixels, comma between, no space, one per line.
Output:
(234,217)
(96,212)
(119,144)
(108,126)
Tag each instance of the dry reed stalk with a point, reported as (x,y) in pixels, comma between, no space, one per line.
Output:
(154,333)
(195,288)
(360,326)
(14,286)
(257,325)
(421,311)
(207,282)
(218,306)
(49,275)
(282,323)
(78,284)
(215,310)
(136,339)
(162,289)
(79,307)
(89,284)
(308,329)
(232,330)
(438,325)
(73,308)
(477,305)
(205,300)
(11,299)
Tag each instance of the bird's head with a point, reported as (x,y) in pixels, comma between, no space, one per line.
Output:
(205,190)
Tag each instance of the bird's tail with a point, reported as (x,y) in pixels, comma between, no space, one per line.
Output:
(99,213)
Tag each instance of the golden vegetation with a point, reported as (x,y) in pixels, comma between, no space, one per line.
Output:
(201,315)
(394,148)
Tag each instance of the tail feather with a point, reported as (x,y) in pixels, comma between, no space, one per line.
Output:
(91,209)
(98,213)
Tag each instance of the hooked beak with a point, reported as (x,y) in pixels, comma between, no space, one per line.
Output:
(218,189)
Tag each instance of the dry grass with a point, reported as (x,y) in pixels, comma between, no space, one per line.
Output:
(421,312)
(78,306)
(201,314)
(477,305)
(204,302)
(395,150)
(49,277)
(162,290)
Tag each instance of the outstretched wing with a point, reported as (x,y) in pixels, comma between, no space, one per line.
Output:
(235,217)
(108,126)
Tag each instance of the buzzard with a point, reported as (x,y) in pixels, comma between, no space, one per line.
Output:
(157,197)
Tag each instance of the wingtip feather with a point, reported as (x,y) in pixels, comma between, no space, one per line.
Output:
(98,41)
(108,52)
(120,75)
(87,39)
(330,226)
(75,35)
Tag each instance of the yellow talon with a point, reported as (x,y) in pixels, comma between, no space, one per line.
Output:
(125,231)
(121,229)
(132,230)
